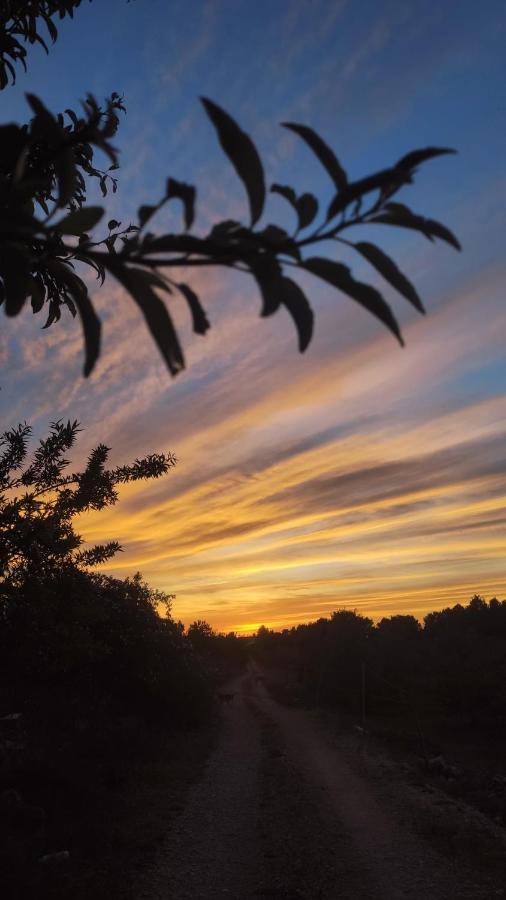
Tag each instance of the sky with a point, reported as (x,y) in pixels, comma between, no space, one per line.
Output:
(359,475)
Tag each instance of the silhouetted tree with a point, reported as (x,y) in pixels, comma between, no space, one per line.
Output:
(39,499)
(68,635)
(454,665)
(200,635)
(44,167)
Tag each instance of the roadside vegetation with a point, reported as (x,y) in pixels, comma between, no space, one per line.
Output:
(452,664)
(432,693)
(97,679)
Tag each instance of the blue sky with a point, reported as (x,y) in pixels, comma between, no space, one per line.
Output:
(358,474)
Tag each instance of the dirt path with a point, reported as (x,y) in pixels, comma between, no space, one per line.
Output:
(285,810)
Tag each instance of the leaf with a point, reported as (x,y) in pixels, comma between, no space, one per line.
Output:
(37,294)
(419,156)
(339,276)
(89,319)
(399,215)
(54,314)
(155,314)
(386,179)
(15,272)
(42,113)
(326,156)
(65,168)
(388,269)
(200,320)
(287,192)
(243,155)
(80,220)
(95,264)
(268,275)
(186,193)
(73,118)
(145,212)
(155,280)
(305,206)
(298,307)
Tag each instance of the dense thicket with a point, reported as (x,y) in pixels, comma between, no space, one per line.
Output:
(454,665)
(89,643)
(95,673)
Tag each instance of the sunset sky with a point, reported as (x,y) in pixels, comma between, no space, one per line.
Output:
(358,475)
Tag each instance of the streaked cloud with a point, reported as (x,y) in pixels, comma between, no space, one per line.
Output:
(358,475)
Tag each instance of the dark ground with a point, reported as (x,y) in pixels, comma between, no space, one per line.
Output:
(271,800)
(292,807)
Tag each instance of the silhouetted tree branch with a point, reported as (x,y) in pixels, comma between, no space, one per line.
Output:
(44,167)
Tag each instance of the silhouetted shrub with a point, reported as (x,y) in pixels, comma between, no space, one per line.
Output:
(76,644)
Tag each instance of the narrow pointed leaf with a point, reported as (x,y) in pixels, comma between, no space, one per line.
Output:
(386,179)
(37,294)
(91,328)
(340,277)
(199,317)
(89,319)
(285,191)
(388,269)
(297,305)
(410,160)
(154,311)
(326,156)
(80,220)
(268,276)
(243,155)
(95,264)
(306,206)
(442,232)
(185,193)
(399,215)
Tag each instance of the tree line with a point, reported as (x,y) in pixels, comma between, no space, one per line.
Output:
(451,665)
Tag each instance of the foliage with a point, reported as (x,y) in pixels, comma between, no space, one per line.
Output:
(83,633)
(31,22)
(454,665)
(222,655)
(44,166)
(39,499)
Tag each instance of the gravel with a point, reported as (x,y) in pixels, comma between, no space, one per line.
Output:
(287,810)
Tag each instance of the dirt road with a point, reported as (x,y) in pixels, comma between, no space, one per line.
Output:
(286,810)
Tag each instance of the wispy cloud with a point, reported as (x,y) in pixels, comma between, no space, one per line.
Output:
(359,474)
